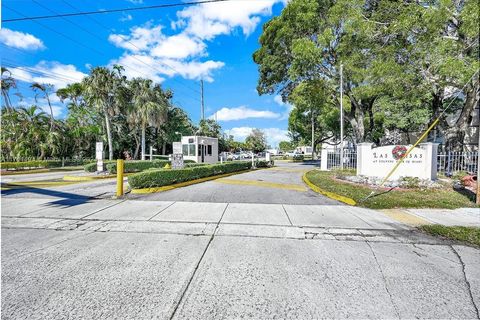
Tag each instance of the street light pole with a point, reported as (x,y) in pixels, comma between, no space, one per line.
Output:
(341,116)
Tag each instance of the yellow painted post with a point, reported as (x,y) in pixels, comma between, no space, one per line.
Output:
(119,177)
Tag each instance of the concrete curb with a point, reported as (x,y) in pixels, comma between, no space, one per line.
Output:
(186,183)
(329,194)
(93,178)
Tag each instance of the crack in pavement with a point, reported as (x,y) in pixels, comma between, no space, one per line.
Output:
(467,283)
(384,280)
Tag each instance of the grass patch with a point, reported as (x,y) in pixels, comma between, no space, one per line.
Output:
(446,198)
(469,235)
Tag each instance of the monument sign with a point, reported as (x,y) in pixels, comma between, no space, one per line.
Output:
(177,156)
(99,155)
(378,162)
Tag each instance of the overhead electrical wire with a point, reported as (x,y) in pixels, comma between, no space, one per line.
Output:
(84,13)
(85,46)
(133,44)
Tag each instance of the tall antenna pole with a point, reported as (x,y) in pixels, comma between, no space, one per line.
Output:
(203,105)
(341,116)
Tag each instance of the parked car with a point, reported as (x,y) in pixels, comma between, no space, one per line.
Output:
(236,156)
(292,154)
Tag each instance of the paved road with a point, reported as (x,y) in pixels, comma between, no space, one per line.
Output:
(39,176)
(282,184)
(182,260)
(67,253)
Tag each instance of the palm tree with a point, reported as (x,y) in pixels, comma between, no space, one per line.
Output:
(8,82)
(150,106)
(45,89)
(101,91)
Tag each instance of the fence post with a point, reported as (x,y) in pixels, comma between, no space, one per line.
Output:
(449,163)
(119,177)
(323,158)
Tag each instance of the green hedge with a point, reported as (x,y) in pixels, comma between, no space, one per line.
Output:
(264,164)
(42,164)
(141,165)
(164,177)
(92,167)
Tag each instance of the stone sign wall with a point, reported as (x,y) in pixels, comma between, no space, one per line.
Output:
(377,162)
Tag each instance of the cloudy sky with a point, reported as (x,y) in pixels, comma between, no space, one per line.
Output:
(175,47)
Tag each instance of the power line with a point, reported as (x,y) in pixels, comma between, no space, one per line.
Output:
(83,45)
(72,14)
(133,44)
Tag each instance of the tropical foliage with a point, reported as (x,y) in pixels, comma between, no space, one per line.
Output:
(128,115)
(403,63)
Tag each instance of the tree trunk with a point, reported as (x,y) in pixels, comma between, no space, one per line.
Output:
(51,111)
(143,142)
(109,136)
(164,147)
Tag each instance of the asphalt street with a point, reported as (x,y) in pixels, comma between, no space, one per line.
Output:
(83,257)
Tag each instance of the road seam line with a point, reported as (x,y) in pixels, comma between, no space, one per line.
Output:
(285,210)
(171,204)
(198,264)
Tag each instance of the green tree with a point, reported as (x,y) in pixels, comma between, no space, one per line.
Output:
(286,146)
(256,140)
(150,106)
(45,90)
(103,91)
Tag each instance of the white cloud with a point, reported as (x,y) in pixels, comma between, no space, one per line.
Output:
(243,112)
(162,55)
(178,46)
(274,135)
(288,107)
(49,72)
(135,1)
(181,53)
(125,17)
(209,20)
(20,40)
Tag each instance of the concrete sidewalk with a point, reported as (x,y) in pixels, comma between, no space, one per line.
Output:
(183,260)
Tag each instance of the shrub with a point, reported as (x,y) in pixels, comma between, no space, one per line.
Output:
(92,167)
(264,164)
(298,157)
(136,165)
(164,177)
(141,165)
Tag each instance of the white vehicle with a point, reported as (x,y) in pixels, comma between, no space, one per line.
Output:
(292,154)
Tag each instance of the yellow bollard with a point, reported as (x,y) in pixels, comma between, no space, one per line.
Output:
(119,177)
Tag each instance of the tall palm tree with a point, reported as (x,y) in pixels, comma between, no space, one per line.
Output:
(101,91)
(45,89)
(150,106)
(8,82)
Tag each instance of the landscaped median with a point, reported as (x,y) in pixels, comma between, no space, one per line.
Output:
(154,180)
(329,184)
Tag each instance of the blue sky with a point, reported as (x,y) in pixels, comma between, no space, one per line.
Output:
(176,47)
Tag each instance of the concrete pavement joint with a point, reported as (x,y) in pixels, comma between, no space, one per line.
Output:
(287,215)
(198,264)
(116,203)
(171,204)
(384,280)
(467,283)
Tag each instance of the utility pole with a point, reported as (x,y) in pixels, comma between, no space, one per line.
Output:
(202,103)
(341,116)
(313,133)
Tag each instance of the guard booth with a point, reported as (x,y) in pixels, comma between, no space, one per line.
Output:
(200,149)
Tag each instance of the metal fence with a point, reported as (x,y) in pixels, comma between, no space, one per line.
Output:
(349,159)
(452,162)
(447,162)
